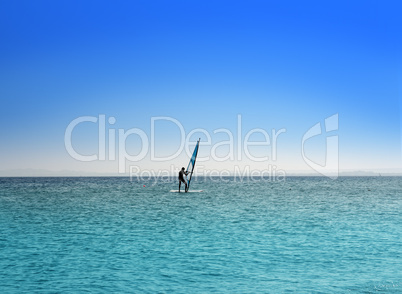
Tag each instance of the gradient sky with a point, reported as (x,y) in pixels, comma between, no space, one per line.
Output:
(278,64)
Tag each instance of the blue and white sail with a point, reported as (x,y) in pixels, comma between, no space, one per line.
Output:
(191,164)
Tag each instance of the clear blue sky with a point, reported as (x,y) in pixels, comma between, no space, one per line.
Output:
(279,64)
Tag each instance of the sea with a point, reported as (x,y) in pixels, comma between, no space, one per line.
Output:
(122,235)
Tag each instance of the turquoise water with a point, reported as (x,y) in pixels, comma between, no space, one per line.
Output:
(103,235)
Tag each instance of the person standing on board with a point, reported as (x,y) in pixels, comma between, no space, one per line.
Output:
(182,172)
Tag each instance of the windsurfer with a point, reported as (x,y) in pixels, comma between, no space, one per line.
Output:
(181,178)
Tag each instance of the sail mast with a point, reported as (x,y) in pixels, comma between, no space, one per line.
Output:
(191,164)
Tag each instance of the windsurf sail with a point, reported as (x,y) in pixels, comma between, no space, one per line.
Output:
(191,164)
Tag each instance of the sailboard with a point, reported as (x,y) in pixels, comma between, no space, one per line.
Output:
(190,169)
(181,191)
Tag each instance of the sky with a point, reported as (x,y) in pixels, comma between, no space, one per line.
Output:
(200,69)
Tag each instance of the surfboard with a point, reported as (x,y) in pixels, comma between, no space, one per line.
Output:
(190,191)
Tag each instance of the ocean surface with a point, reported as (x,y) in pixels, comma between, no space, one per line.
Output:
(113,235)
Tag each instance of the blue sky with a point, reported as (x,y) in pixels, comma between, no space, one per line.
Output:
(279,65)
